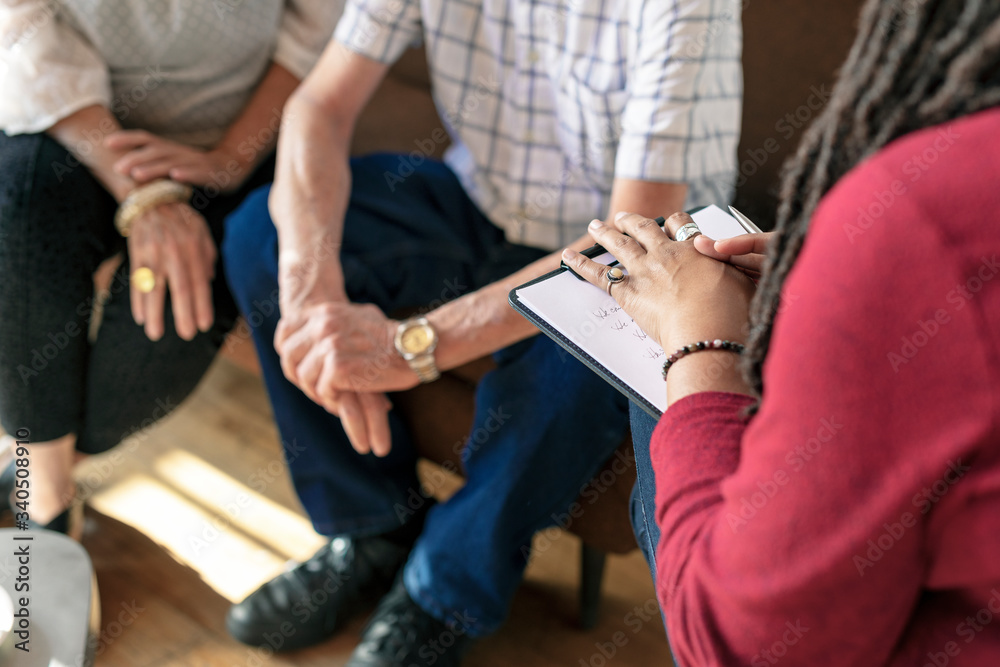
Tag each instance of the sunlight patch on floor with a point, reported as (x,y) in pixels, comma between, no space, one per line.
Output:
(229,513)
(232,562)
(246,509)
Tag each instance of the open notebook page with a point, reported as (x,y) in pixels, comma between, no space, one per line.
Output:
(593,321)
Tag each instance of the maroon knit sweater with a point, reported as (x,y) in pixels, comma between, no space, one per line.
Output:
(856,520)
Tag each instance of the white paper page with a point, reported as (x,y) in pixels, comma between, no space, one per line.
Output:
(596,323)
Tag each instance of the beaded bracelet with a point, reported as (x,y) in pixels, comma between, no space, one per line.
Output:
(716,344)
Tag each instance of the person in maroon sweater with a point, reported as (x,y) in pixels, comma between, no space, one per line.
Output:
(850,515)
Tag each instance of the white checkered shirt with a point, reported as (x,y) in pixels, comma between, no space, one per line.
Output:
(548,101)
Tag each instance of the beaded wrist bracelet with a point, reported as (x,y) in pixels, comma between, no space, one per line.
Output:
(700,346)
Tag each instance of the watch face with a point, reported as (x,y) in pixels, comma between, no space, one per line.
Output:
(416,339)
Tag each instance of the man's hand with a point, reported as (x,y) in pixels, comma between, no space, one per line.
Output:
(150,157)
(341,355)
(365,418)
(308,202)
(173,241)
(339,346)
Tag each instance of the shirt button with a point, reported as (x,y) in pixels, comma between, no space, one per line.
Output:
(529,137)
(533,57)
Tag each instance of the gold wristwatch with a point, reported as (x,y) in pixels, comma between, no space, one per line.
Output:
(415,341)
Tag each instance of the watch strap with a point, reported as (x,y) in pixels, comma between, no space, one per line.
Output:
(425,368)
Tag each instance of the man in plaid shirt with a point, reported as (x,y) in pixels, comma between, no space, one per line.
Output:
(559,112)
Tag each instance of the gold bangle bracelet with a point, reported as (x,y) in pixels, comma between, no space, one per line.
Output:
(146,197)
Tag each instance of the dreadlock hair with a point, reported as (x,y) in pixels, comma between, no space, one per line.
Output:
(914,64)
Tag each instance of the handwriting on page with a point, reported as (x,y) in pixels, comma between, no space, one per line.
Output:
(621,322)
(598,326)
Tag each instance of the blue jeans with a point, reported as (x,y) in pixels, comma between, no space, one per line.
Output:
(643,501)
(544,423)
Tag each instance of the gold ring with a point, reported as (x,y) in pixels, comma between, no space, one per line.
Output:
(144,280)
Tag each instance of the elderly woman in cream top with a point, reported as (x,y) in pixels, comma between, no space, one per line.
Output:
(128,127)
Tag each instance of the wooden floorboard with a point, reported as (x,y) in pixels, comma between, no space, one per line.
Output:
(197,511)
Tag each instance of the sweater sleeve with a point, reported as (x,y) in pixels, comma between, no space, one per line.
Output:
(48,71)
(803,534)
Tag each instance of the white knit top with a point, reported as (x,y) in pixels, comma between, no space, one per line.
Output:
(183,69)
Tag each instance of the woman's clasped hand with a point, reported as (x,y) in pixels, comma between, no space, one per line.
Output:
(677,292)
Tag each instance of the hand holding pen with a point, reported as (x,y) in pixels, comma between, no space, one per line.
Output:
(745,252)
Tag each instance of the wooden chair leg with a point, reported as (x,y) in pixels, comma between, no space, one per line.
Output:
(591,575)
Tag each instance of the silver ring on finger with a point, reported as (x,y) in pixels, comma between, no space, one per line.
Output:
(615,276)
(688,231)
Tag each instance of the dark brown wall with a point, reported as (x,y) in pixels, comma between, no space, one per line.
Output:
(791,52)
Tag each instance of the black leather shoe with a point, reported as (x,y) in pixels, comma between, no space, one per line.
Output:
(401,634)
(306,605)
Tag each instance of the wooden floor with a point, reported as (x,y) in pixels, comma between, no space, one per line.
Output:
(196,512)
